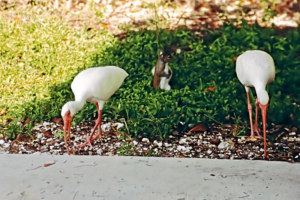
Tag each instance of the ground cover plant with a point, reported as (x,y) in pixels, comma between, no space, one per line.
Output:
(40,57)
(204,84)
(37,54)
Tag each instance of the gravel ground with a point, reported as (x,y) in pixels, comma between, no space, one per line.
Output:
(216,142)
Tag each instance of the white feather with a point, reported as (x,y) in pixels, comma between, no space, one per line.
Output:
(256,69)
(96,84)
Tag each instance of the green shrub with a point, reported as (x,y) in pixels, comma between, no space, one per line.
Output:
(204,84)
(203,65)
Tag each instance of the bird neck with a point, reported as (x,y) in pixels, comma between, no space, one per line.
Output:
(76,106)
(263,96)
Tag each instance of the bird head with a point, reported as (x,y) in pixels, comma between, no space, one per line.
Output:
(263,97)
(67,114)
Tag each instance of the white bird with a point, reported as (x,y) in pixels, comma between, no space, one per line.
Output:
(256,69)
(95,85)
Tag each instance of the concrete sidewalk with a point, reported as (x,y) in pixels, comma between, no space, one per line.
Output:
(99,177)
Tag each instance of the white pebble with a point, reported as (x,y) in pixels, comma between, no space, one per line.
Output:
(135,142)
(46,124)
(40,135)
(119,125)
(221,155)
(49,140)
(159,144)
(209,151)
(292,133)
(117,144)
(145,140)
(181,148)
(106,127)
(182,141)
(2,141)
(99,151)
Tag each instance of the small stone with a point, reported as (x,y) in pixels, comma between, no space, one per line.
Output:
(135,142)
(118,144)
(167,144)
(159,144)
(209,152)
(225,146)
(49,140)
(292,133)
(119,125)
(182,141)
(46,124)
(221,155)
(181,148)
(145,140)
(99,151)
(106,127)
(2,142)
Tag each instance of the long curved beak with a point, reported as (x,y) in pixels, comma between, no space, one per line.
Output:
(264,109)
(67,129)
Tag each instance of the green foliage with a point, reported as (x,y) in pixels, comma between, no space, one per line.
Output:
(14,128)
(38,59)
(205,64)
(204,83)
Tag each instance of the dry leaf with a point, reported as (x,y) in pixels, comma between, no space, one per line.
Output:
(48,164)
(145,151)
(3,112)
(48,134)
(198,127)
(104,25)
(22,137)
(17,19)
(56,119)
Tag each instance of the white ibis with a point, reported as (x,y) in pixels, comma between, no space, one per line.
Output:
(256,69)
(95,85)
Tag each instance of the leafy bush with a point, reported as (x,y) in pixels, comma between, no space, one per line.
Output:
(204,84)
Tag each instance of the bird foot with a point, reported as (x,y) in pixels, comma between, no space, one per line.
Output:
(257,130)
(253,138)
(88,142)
(98,135)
